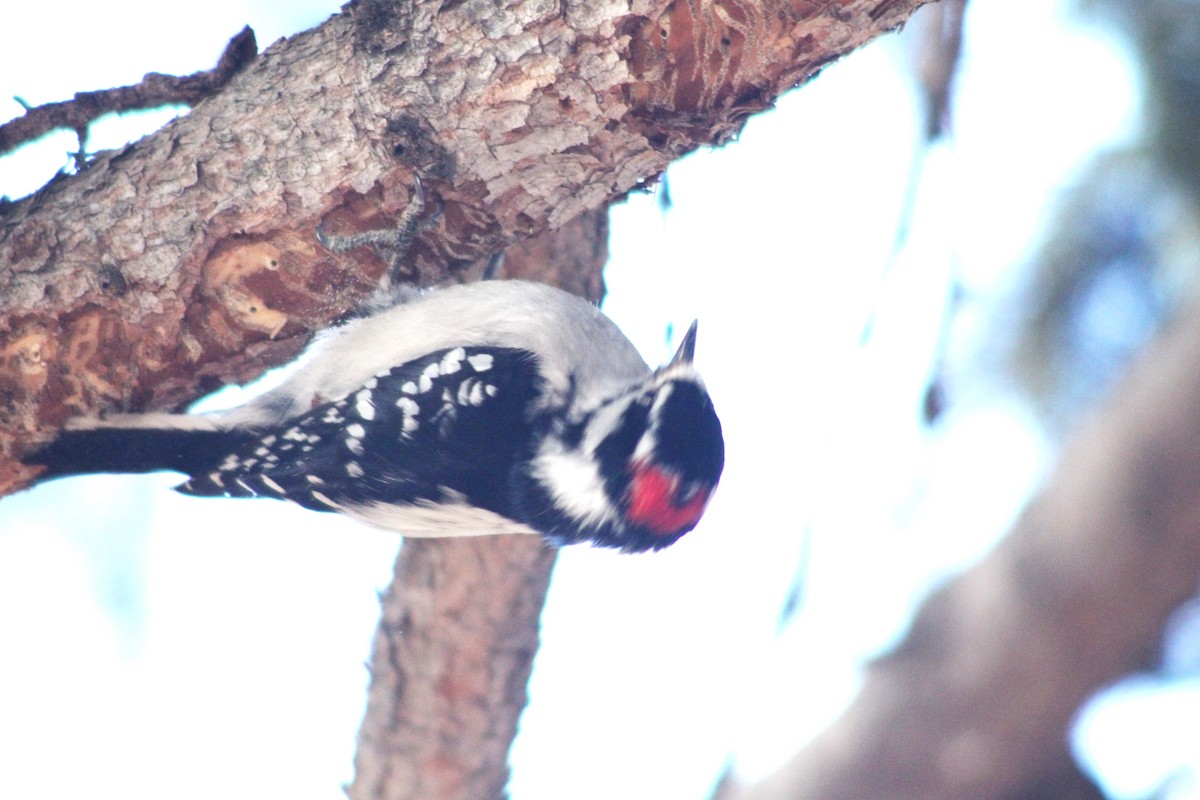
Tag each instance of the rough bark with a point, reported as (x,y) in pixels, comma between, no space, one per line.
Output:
(452,657)
(977,700)
(188,259)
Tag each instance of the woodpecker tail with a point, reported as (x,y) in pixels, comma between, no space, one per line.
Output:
(182,446)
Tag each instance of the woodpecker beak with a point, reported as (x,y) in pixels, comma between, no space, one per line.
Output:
(687,348)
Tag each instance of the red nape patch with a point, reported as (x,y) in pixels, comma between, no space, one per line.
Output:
(652,504)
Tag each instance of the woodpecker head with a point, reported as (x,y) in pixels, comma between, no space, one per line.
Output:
(639,472)
(677,460)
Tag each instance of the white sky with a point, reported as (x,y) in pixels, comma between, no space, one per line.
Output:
(148,635)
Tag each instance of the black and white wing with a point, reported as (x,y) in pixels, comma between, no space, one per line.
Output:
(438,433)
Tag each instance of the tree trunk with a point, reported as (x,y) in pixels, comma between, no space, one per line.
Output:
(189,260)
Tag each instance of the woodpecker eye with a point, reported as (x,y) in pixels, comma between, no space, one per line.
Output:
(687,492)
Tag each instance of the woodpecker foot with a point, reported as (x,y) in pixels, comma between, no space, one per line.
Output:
(391,244)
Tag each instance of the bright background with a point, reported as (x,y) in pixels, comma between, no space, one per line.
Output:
(146,636)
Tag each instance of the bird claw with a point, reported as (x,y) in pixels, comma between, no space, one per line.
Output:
(391,244)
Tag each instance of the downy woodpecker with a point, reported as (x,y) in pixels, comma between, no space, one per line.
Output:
(494,407)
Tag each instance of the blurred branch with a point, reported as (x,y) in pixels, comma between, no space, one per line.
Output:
(935,33)
(977,700)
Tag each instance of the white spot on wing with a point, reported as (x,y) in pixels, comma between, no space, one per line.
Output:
(481,362)
(354,469)
(464,392)
(409,387)
(355,430)
(452,361)
(363,405)
(425,382)
(410,409)
(272,485)
(446,415)
(355,446)
(476,397)
(320,498)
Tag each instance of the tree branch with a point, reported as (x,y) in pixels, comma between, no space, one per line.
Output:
(452,658)
(188,260)
(977,700)
(154,91)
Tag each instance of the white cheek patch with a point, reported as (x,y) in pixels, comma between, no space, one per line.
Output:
(575,483)
(572,476)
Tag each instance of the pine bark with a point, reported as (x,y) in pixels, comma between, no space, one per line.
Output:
(189,260)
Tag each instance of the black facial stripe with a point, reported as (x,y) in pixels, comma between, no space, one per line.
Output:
(616,450)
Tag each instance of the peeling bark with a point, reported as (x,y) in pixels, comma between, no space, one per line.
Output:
(188,260)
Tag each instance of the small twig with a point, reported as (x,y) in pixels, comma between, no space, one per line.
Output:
(155,90)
